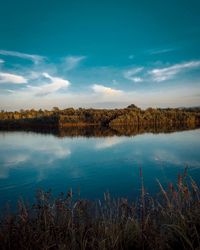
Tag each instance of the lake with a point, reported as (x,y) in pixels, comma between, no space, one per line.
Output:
(92,165)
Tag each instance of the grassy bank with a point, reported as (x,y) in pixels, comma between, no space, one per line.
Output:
(171,220)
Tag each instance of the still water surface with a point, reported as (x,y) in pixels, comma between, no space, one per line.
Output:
(31,161)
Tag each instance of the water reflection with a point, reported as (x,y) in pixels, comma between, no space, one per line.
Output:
(22,150)
(94,164)
(100,131)
(109,142)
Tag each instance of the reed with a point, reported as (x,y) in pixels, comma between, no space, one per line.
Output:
(171,220)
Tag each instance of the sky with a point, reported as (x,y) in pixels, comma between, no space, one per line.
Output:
(99,54)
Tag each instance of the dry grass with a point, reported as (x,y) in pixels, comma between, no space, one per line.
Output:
(171,221)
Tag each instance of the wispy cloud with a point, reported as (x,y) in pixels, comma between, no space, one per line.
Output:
(131,57)
(12,78)
(131,74)
(34,58)
(160,51)
(167,73)
(56,83)
(97,88)
(71,62)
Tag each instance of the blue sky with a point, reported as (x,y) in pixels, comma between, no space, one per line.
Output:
(99,53)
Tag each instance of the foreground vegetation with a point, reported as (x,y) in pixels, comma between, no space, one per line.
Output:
(169,221)
(131,115)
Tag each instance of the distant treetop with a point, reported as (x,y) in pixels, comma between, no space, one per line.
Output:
(132,106)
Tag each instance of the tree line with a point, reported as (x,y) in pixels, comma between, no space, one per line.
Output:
(131,115)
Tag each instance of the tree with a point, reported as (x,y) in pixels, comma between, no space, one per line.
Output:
(132,106)
(56,109)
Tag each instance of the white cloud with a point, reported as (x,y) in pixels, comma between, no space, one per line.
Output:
(137,79)
(12,78)
(167,73)
(56,83)
(71,62)
(130,74)
(105,90)
(165,97)
(34,58)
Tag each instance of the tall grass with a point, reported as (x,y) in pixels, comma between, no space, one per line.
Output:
(170,221)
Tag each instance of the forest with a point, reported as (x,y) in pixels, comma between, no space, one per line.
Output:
(129,116)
